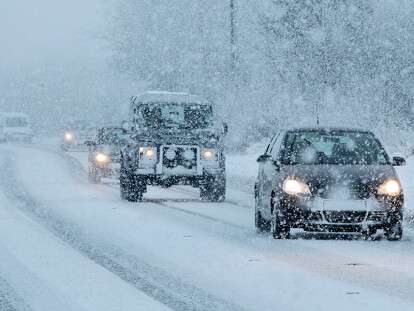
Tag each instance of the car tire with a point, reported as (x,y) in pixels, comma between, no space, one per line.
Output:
(394,231)
(131,189)
(213,189)
(93,175)
(262,225)
(280,228)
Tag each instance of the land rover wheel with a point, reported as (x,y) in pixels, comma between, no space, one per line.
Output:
(131,187)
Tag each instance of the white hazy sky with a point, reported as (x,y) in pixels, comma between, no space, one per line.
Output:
(36,32)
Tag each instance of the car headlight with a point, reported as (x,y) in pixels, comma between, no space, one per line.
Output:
(69,136)
(147,153)
(208,154)
(101,158)
(391,187)
(295,187)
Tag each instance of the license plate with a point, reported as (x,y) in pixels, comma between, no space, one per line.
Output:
(344,205)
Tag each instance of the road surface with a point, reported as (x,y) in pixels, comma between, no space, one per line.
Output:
(67,244)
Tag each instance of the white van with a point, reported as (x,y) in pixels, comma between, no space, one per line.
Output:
(16,127)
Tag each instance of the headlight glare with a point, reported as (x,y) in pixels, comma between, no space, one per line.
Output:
(391,187)
(208,154)
(101,158)
(295,187)
(68,136)
(147,153)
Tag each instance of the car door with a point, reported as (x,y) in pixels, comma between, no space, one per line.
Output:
(267,171)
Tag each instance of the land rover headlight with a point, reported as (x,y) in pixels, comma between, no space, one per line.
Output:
(295,187)
(390,187)
(101,158)
(208,154)
(69,136)
(147,153)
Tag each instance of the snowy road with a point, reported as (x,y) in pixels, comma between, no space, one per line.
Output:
(70,245)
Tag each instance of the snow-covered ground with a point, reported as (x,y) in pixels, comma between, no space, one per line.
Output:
(70,245)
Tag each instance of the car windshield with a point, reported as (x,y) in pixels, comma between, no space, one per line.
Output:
(16,122)
(333,147)
(175,115)
(110,136)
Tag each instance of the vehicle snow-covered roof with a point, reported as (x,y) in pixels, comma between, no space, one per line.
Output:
(327,128)
(171,97)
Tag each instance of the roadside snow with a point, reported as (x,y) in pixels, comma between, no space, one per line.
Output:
(50,275)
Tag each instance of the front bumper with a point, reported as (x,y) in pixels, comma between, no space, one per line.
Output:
(180,166)
(318,214)
(108,169)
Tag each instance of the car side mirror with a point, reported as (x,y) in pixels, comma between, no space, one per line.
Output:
(224,128)
(398,161)
(263,158)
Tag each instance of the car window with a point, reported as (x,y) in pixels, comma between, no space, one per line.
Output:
(276,147)
(334,147)
(271,143)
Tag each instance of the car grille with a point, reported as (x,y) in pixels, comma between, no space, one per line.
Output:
(377,216)
(184,156)
(345,216)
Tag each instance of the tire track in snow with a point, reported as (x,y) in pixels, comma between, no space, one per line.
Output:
(154,282)
(9,299)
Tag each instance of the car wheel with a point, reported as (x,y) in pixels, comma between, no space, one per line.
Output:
(131,186)
(394,231)
(261,224)
(93,175)
(280,228)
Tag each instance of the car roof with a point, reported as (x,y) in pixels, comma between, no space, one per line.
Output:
(160,96)
(328,129)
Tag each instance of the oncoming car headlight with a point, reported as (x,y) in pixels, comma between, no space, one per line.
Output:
(295,187)
(208,154)
(147,153)
(69,136)
(101,158)
(390,187)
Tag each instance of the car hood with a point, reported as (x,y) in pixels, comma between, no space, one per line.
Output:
(341,181)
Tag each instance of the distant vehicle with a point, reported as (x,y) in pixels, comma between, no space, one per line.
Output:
(15,127)
(76,134)
(328,179)
(104,153)
(175,141)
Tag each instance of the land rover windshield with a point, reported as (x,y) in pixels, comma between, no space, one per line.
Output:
(175,115)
